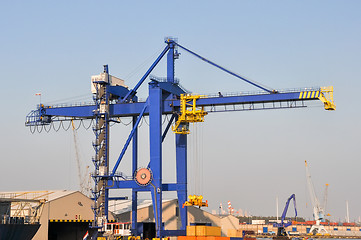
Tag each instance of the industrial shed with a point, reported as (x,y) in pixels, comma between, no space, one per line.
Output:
(171,218)
(65,214)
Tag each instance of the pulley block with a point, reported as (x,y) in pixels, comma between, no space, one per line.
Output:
(143,176)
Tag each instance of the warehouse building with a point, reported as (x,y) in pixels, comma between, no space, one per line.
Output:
(65,214)
(171,217)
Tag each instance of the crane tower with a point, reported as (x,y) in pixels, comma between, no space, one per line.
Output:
(114,100)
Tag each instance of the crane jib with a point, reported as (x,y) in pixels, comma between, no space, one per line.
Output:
(133,109)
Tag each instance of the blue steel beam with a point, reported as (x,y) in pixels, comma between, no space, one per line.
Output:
(181,163)
(155,146)
(120,184)
(134,109)
(132,92)
(134,168)
(181,150)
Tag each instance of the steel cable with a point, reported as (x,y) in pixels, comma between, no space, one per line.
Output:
(164,119)
(79,97)
(77,128)
(146,121)
(201,156)
(126,124)
(141,122)
(133,72)
(56,130)
(48,129)
(66,129)
(37,128)
(91,123)
(32,130)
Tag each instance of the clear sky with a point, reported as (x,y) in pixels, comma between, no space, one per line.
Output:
(250,158)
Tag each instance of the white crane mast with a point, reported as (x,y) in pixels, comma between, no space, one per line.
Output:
(318,211)
(325,196)
(347,213)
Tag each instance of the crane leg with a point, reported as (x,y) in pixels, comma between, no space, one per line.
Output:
(181,161)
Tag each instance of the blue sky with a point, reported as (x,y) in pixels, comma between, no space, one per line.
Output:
(249,158)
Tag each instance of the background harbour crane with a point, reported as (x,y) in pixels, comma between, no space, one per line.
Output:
(114,100)
(84,177)
(318,210)
(325,199)
(281,227)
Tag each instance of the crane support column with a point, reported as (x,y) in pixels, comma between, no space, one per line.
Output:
(101,147)
(181,163)
(134,168)
(155,142)
(171,56)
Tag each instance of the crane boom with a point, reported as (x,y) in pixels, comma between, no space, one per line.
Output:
(293,196)
(281,227)
(44,115)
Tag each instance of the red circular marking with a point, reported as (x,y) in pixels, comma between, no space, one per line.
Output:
(143,176)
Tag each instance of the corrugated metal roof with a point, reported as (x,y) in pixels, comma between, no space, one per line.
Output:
(122,206)
(49,195)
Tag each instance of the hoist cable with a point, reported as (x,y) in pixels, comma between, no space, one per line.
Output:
(195,159)
(201,157)
(191,164)
(137,69)
(69,98)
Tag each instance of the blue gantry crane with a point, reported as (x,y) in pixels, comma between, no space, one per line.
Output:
(281,227)
(114,100)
